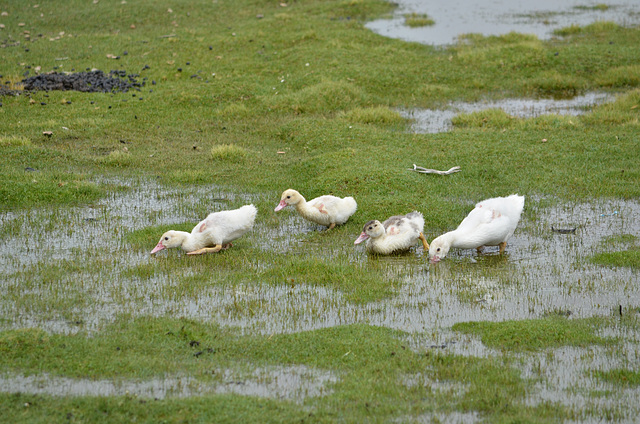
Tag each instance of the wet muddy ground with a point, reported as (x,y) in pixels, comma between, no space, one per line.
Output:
(499,17)
(544,271)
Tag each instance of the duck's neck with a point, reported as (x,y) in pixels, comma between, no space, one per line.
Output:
(385,244)
(185,239)
(302,206)
(464,240)
(449,238)
(380,240)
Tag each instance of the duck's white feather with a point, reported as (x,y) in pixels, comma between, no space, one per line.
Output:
(324,210)
(219,228)
(397,233)
(490,223)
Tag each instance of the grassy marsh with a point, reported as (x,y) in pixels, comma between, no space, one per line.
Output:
(245,99)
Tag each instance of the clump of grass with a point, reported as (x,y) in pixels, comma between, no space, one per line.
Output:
(116,158)
(359,284)
(600,6)
(228,153)
(321,97)
(189,176)
(507,52)
(626,258)
(415,20)
(373,115)
(624,111)
(234,110)
(621,76)
(490,118)
(556,84)
(600,27)
(435,91)
(531,335)
(14,140)
(35,189)
(621,239)
(551,122)
(619,376)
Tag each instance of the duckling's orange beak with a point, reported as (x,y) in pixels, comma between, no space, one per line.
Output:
(363,237)
(158,247)
(281,205)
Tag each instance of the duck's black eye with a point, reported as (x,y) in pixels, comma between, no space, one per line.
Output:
(371,228)
(166,238)
(438,249)
(288,197)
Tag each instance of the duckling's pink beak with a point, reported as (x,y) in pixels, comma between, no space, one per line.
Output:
(281,205)
(434,259)
(362,238)
(158,248)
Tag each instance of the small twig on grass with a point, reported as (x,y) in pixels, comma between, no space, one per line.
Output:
(167,36)
(434,171)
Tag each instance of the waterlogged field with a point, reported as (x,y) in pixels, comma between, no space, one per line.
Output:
(243,100)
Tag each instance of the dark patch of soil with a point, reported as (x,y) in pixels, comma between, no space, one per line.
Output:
(90,82)
(4,91)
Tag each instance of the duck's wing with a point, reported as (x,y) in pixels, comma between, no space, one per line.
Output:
(225,226)
(511,205)
(400,224)
(480,215)
(393,221)
(324,204)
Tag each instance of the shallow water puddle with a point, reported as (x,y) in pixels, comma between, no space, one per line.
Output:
(543,272)
(435,121)
(294,383)
(499,17)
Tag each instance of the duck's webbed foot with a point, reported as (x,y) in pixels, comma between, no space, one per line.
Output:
(503,246)
(332,226)
(424,241)
(214,249)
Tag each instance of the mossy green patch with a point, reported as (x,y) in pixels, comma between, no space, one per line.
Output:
(228,152)
(619,376)
(626,258)
(415,20)
(531,335)
(377,374)
(14,141)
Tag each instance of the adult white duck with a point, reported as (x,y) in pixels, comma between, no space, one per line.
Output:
(324,210)
(491,223)
(398,233)
(213,234)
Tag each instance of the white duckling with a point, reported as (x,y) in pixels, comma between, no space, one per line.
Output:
(397,233)
(324,210)
(491,223)
(213,234)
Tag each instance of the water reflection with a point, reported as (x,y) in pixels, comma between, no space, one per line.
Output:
(435,121)
(497,17)
(293,383)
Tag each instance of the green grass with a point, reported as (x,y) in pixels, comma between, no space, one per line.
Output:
(243,100)
(525,335)
(414,20)
(623,377)
(356,353)
(626,258)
